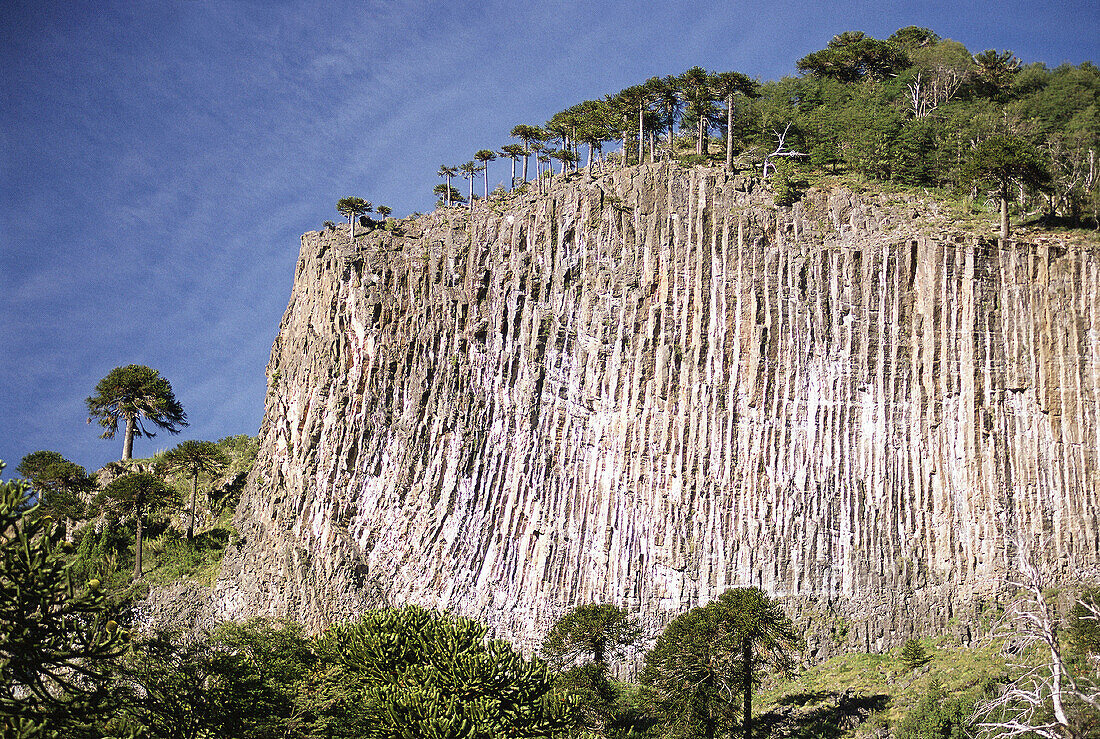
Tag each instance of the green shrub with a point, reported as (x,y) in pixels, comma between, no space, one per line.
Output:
(935,716)
(414,672)
(913,654)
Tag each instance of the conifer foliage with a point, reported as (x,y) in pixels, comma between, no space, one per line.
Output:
(57,644)
(413,672)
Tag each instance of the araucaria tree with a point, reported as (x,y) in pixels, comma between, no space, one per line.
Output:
(417,673)
(695,87)
(193,458)
(135,394)
(469,171)
(527,134)
(707,656)
(60,485)
(57,644)
(351,208)
(484,156)
(447,173)
(137,495)
(728,85)
(1001,160)
(513,152)
(592,631)
(579,646)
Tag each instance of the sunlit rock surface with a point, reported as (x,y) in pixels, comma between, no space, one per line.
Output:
(647,387)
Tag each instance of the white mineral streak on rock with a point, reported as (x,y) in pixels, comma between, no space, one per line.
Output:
(648,387)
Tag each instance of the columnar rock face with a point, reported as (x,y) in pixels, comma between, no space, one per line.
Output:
(647,387)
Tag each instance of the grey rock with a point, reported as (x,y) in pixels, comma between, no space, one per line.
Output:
(648,387)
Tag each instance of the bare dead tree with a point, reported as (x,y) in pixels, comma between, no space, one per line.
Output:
(1035,703)
(779,150)
(928,93)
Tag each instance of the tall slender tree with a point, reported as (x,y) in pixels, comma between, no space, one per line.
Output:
(137,494)
(447,173)
(469,171)
(635,99)
(513,152)
(699,98)
(704,658)
(527,134)
(542,156)
(135,394)
(194,458)
(484,156)
(730,85)
(1002,160)
(669,103)
(351,208)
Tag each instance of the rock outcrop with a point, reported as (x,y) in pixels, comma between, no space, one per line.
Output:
(647,387)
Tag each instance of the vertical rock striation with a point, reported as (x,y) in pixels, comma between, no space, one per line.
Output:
(647,387)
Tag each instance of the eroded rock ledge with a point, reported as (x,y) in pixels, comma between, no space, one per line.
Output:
(647,387)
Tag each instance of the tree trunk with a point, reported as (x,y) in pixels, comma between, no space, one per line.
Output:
(485,176)
(447,201)
(128,439)
(729,133)
(191,523)
(512,182)
(641,133)
(746,651)
(652,146)
(526,156)
(137,544)
(471,193)
(1004,211)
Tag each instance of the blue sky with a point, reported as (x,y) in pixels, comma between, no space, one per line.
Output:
(160,159)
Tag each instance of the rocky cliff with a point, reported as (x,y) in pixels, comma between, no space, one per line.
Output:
(647,387)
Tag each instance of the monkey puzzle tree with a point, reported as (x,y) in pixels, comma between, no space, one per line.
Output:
(384,211)
(447,173)
(996,70)
(852,56)
(699,100)
(137,495)
(527,134)
(135,394)
(598,631)
(411,672)
(447,195)
(57,644)
(1001,160)
(351,208)
(635,99)
(194,458)
(728,85)
(668,102)
(484,156)
(579,645)
(58,485)
(513,152)
(469,171)
(766,637)
(710,654)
